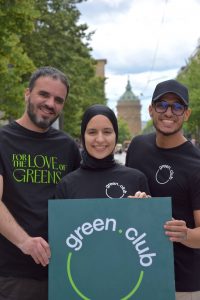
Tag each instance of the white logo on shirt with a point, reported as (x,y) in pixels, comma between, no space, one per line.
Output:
(115,190)
(164,174)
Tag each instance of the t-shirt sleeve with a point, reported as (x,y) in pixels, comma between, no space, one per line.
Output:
(1,166)
(195,190)
(132,151)
(128,155)
(144,187)
(61,190)
(77,158)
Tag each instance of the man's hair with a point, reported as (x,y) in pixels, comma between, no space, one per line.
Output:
(48,72)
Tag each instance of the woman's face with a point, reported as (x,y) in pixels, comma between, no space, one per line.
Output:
(100,137)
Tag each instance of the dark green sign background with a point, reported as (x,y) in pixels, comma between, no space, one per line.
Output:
(110,249)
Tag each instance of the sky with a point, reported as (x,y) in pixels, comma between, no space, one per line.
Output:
(145,41)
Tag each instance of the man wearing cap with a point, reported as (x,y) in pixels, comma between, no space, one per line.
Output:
(172,166)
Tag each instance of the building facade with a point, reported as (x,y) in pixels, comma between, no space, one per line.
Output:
(100,67)
(129,109)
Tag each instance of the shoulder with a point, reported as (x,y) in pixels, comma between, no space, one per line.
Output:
(190,154)
(6,131)
(141,143)
(59,135)
(188,151)
(127,171)
(195,150)
(7,127)
(72,176)
(146,138)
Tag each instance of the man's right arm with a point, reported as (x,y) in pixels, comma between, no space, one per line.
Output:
(37,247)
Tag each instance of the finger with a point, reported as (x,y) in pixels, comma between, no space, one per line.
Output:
(42,255)
(177,236)
(40,251)
(36,260)
(46,247)
(175,227)
(177,239)
(143,195)
(175,223)
(137,194)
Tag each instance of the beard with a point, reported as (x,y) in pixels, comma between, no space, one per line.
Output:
(167,133)
(43,123)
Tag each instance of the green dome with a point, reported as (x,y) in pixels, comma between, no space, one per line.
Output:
(128,94)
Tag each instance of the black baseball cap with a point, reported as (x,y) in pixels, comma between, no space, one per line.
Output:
(171,86)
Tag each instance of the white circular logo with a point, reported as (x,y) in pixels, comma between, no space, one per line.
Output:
(164,174)
(115,190)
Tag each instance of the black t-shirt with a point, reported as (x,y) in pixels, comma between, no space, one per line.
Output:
(173,172)
(115,182)
(31,164)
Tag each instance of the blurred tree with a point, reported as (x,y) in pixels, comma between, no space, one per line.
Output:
(190,76)
(124,132)
(16,19)
(58,40)
(148,127)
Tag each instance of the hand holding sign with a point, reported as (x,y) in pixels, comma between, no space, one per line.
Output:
(176,230)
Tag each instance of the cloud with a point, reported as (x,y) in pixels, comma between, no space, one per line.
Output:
(98,11)
(144,39)
(142,87)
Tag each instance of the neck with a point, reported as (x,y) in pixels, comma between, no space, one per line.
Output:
(170,141)
(28,124)
(90,162)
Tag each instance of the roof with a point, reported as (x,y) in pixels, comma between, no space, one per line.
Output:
(128,94)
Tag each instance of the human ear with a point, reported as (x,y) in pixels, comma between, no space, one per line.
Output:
(150,111)
(187,114)
(26,94)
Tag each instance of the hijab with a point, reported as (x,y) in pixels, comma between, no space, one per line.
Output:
(88,161)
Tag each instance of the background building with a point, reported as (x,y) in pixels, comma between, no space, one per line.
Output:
(100,67)
(129,109)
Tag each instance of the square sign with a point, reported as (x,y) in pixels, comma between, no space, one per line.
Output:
(110,249)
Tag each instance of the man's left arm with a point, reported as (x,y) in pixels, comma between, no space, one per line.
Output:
(177,231)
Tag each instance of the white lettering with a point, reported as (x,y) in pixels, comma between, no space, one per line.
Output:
(75,239)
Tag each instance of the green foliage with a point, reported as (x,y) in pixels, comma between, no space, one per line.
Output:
(16,19)
(36,33)
(190,76)
(124,132)
(148,128)
(59,41)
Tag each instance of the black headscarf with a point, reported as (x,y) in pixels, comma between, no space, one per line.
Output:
(88,161)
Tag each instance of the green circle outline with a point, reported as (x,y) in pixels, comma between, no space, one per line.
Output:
(81,295)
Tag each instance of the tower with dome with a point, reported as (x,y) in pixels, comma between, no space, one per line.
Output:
(129,109)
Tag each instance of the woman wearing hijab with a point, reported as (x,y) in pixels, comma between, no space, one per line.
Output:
(99,175)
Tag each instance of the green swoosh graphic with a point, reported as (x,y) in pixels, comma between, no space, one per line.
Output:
(71,280)
(132,292)
(135,288)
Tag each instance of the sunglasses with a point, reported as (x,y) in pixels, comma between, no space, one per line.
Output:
(177,108)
